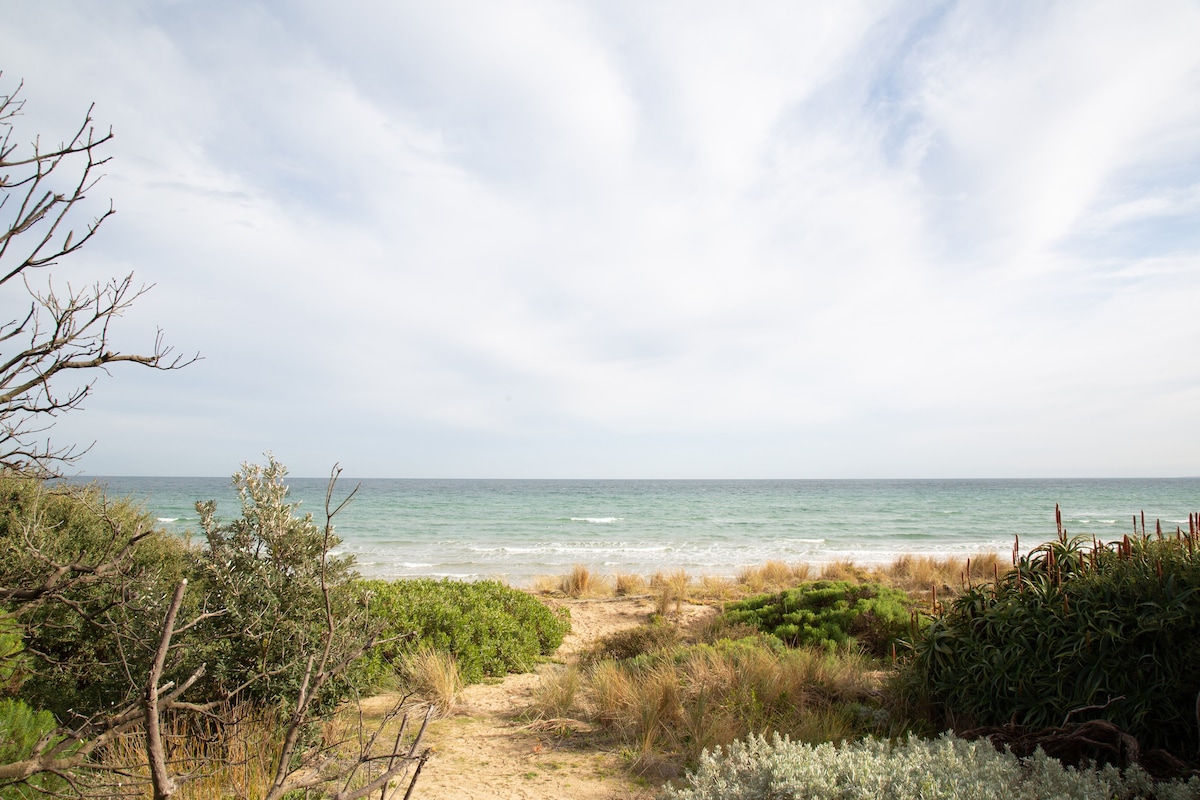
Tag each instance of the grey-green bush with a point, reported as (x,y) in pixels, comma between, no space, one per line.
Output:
(946,768)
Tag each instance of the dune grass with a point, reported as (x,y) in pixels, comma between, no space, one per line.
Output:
(921,576)
(663,701)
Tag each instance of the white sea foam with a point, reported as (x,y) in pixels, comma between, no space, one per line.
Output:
(598,520)
(169,519)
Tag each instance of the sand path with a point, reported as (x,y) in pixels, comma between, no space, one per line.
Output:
(485,751)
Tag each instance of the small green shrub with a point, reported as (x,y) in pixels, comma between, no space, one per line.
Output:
(911,769)
(20,728)
(271,572)
(1076,625)
(490,628)
(830,614)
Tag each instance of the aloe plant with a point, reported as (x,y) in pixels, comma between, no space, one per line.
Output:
(1078,630)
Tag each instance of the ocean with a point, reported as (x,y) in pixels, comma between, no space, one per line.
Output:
(516,530)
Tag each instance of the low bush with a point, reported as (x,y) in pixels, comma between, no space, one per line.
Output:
(911,769)
(1077,629)
(490,628)
(830,614)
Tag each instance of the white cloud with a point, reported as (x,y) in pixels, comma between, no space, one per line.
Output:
(540,238)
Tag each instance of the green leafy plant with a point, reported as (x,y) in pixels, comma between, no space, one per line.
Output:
(830,614)
(1077,630)
(490,628)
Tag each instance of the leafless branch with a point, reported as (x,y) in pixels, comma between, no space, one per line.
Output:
(42,190)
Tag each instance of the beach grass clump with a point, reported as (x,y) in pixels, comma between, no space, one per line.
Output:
(928,573)
(670,590)
(830,614)
(628,584)
(556,693)
(490,628)
(435,676)
(1077,630)
(781,768)
(582,582)
(231,759)
(773,576)
(846,570)
(670,705)
(653,637)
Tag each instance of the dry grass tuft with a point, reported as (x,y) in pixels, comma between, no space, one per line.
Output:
(627,585)
(673,707)
(582,583)
(218,760)
(654,637)
(434,675)
(546,584)
(671,590)
(924,573)
(554,696)
(845,570)
(773,576)
(712,587)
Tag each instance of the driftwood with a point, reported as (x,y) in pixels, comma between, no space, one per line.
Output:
(1082,744)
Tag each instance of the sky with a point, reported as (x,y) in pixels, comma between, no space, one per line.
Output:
(631,239)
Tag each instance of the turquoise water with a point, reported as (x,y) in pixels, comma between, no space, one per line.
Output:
(518,529)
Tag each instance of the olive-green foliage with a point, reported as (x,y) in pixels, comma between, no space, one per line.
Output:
(830,614)
(14,661)
(82,645)
(490,628)
(265,571)
(1076,624)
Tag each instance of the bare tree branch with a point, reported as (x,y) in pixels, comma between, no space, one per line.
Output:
(41,192)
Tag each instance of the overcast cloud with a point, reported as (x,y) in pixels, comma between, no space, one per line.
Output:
(640,239)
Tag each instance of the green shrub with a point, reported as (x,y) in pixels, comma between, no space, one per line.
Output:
(270,572)
(911,769)
(1076,625)
(82,646)
(830,614)
(491,629)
